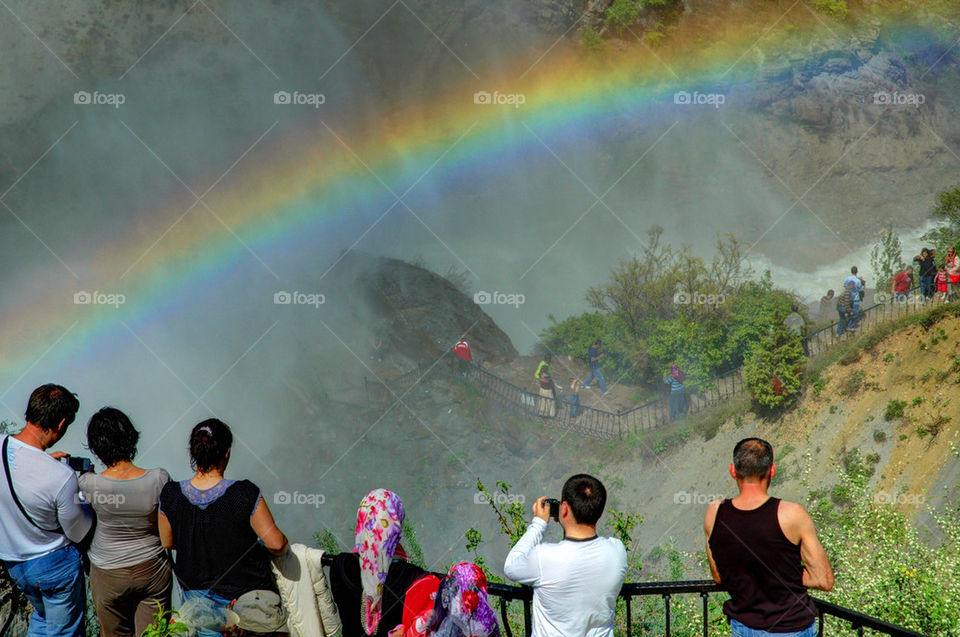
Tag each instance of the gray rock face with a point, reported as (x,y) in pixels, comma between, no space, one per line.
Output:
(421,313)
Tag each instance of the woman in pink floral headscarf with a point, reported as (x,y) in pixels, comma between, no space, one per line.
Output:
(369,583)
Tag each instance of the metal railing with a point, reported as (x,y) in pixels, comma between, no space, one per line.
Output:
(666,590)
(885,310)
(607,425)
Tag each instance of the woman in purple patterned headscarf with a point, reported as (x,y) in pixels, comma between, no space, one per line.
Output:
(461,608)
(369,583)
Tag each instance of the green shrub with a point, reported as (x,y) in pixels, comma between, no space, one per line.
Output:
(894,409)
(836,9)
(772,371)
(621,14)
(879,435)
(591,41)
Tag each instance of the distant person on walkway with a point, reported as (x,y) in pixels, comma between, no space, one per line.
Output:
(548,394)
(222,530)
(575,581)
(465,356)
(575,408)
(902,283)
(860,287)
(42,518)
(765,552)
(797,326)
(826,304)
(131,575)
(952,263)
(369,584)
(926,271)
(845,309)
(678,399)
(594,354)
(943,284)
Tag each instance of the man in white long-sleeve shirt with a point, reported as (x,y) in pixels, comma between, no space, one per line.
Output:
(576,580)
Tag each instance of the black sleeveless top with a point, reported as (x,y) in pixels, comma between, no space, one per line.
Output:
(761,569)
(217,549)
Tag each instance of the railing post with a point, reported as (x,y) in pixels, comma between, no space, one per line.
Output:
(527,619)
(629,617)
(704,597)
(503,617)
(666,601)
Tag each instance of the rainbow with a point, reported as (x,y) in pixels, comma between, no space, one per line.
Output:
(289,192)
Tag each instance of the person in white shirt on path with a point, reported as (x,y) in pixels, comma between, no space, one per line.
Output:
(576,581)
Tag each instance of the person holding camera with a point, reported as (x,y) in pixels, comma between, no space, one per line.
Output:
(130,573)
(43,517)
(575,581)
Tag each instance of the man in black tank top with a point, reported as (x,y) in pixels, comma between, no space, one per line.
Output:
(765,552)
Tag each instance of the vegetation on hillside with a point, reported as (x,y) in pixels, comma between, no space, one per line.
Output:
(669,306)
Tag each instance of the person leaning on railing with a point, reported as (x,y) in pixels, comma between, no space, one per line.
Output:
(575,581)
(222,530)
(765,552)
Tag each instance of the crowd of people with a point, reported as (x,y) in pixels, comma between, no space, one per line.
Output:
(238,574)
(928,278)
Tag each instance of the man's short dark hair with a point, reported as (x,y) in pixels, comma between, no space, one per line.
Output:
(597,342)
(752,458)
(112,437)
(49,404)
(210,441)
(853,270)
(586,497)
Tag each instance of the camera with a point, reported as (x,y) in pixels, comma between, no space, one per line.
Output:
(78,463)
(554,508)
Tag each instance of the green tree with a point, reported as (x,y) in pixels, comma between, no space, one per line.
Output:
(947,208)
(772,370)
(621,14)
(886,258)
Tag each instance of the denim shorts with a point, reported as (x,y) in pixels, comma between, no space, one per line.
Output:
(739,630)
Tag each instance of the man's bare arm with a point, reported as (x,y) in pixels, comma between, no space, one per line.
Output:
(817,572)
(708,521)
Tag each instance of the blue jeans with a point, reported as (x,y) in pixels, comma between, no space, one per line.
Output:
(54,585)
(575,408)
(739,630)
(926,286)
(219,604)
(596,373)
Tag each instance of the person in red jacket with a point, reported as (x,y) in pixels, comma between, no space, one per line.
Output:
(462,350)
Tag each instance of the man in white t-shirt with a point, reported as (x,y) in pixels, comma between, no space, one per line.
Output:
(43,516)
(575,581)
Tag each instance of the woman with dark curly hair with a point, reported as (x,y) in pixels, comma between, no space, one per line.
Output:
(130,572)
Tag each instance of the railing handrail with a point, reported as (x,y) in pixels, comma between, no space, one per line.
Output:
(517,592)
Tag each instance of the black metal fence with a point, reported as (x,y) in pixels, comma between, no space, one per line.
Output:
(887,308)
(666,590)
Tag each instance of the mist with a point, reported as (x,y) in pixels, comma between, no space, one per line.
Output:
(115,199)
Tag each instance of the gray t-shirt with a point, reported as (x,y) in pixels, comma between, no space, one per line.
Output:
(126,533)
